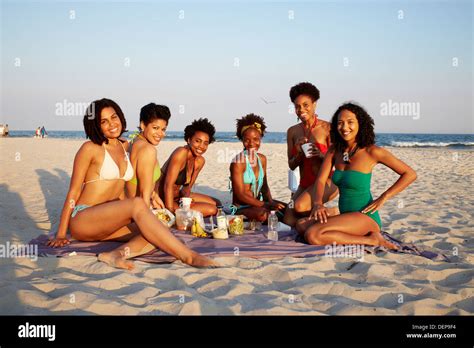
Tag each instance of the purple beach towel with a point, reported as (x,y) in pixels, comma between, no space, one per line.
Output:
(252,244)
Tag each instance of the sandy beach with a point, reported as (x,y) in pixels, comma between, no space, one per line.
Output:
(435,212)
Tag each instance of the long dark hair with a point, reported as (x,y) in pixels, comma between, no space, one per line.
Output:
(365,136)
(92,120)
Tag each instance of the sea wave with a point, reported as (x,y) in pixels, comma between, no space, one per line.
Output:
(431,144)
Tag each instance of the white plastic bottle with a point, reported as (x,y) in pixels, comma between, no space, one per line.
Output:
(273,226)
(221,220)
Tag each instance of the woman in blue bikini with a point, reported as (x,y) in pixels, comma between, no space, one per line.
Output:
(95,208)
(354,154)
(250,192)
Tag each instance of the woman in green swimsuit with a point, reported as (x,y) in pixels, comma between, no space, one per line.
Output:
(153,122)
(250,192)
(180,171)
(354,154)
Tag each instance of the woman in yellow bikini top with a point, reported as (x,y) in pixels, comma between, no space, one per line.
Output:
(153,122)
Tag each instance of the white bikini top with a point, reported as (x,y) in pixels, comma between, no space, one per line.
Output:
(110,169)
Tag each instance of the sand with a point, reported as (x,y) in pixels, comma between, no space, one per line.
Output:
(435,212)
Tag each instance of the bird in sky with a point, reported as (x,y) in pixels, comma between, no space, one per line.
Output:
(267,102)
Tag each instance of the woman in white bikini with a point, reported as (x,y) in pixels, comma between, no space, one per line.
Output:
(95,208)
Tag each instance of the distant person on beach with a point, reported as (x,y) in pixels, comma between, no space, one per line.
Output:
(43,132)
(354,154)
(251,195)
(180,171)
(6,131)
(95,208)
(143,155)
(38,132)
(311,130)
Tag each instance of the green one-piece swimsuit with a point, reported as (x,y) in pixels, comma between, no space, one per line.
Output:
(354,192)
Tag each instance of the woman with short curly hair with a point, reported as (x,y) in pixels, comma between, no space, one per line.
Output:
(250,192)
(182,168)
(354,154)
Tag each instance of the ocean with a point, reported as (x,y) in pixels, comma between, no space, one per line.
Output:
(454,141)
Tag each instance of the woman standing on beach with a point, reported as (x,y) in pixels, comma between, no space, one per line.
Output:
(180,171)
(354,154)
(250,192)
(95,208)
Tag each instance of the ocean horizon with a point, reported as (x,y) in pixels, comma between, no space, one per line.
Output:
(455,141)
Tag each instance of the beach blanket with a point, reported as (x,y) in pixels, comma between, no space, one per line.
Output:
(252,244)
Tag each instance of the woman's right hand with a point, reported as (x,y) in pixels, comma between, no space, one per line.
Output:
(320,213)
(156,201)
(58,242)
(273,206)
(299,142)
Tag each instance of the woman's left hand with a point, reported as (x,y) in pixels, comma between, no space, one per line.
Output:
(375,205)
(156,201)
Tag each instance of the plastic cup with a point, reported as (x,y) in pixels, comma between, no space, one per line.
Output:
(186,201)
(307,149)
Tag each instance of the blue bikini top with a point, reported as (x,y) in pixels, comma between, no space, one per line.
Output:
(249,175)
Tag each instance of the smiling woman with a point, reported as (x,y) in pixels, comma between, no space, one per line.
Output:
(95,208)
(153,124)
(248,170)
(182,168)
(354,154)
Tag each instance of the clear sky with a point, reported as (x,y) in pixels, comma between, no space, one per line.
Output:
(410,63)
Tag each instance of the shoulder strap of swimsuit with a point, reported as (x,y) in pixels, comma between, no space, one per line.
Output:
(255,187)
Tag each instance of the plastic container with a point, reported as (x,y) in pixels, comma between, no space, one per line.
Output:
(165,216)
(236,224)
(219,234)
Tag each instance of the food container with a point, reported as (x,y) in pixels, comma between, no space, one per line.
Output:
(236,224)
(184,219)
(165,216)
(219,234)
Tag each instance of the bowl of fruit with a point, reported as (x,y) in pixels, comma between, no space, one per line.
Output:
(165,216)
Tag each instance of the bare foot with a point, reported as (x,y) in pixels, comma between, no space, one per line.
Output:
(197,260)
(381,241)
(116,259)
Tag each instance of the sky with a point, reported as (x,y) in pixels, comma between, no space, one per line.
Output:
(409,63)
